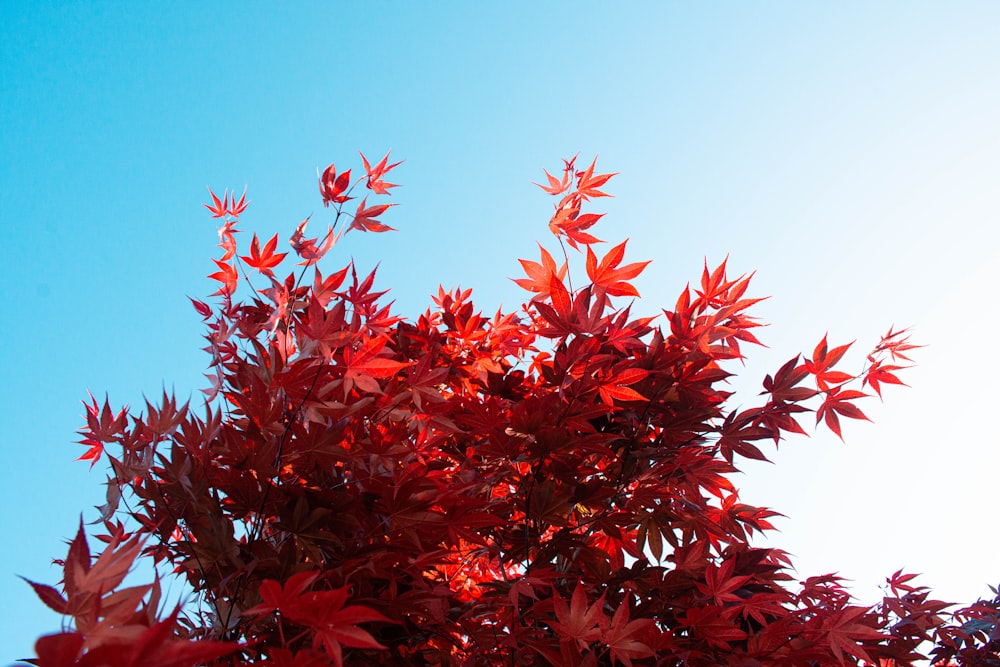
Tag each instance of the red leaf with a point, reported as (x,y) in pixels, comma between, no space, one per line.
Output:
(837,402)
(237,207)
(364,364)
(556,186)
(227,240)
(615,388)
(608,277)
(283,598)
(783,386)
(364,217)
(569,222)
(110,568)
(895,344)
(227,276)
(881,374)
(546,279)
(579,621)
(266,259)
(822,362)
(843,633)
(334,624)
(587,183)
(899,582)
(52,598)
(625,637)
(77,562)
(94,452)
(218,207)
(203,308)
(307,249)
(376,182)
(720,584)
(333,186)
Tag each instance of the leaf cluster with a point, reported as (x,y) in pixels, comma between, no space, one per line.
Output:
(550,485)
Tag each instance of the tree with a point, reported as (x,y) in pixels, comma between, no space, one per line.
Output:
(545,486)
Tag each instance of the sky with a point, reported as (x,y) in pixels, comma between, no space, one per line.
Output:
(848,153)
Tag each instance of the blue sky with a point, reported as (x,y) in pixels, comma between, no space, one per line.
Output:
(849,154)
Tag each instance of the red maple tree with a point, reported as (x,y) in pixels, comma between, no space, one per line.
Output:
(549,486)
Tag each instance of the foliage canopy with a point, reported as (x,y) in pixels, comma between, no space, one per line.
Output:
(550,485)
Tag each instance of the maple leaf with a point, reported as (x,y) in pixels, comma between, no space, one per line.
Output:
(364,365)
(104,574)
(879,373)
(616,387)
(103,427)
(823,360)
(556,186)
(763,607)
(375,174)
(109,625)
(219,208)
(308,249)
(739,429)
(102,423)
(900,582)
(546,279)
(227,239)
(579,621)
(327,330)
(720,584)
(569,222)
(95,450)
(266,259)
(716,287)
(364,217)
(333,186)
(324,289)
(227,276)
(203,308)
(336,626)
(895,345)
(607,277)
(843,632)
(625,637)
(587,183)
(52,598)
(783,386)
(837,402)
(237,207)
(280,597)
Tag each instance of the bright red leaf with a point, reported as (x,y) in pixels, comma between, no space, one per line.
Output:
(266,259)
(608,277)
(364,217)
(333,186)
(376,181)
(311,250)
(838,402)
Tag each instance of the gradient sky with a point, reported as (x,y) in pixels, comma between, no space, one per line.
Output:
(849,154)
